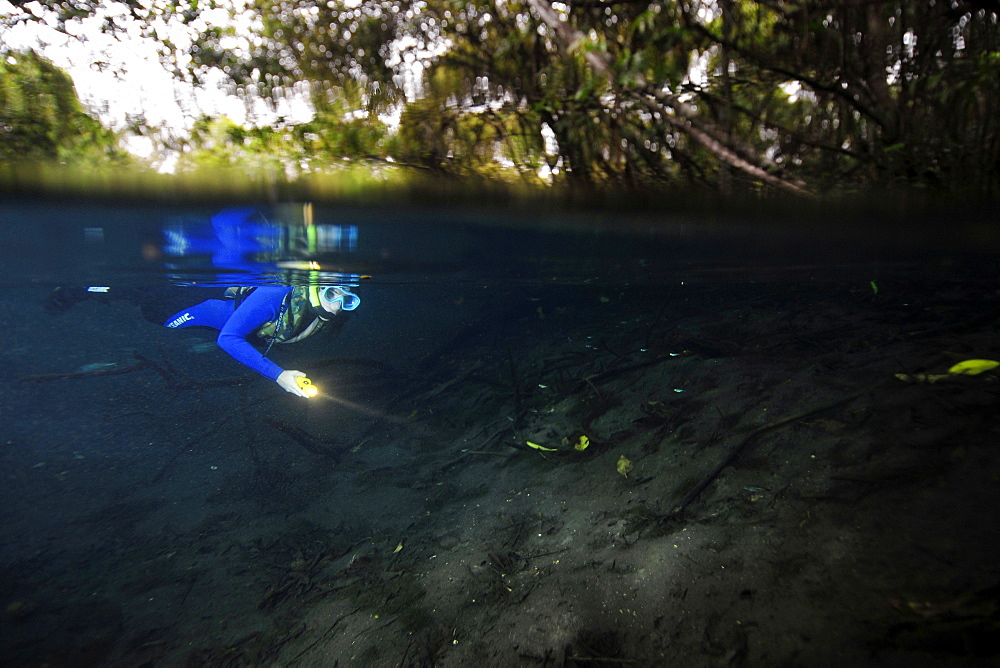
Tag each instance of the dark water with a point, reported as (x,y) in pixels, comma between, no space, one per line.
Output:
(163,505)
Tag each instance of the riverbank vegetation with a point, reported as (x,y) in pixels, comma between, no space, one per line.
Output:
(810,98)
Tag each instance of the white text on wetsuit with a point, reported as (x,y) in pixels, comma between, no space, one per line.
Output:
(181,320)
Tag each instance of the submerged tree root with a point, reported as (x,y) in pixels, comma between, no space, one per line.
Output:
(733,454)
(75,375)
(306,440)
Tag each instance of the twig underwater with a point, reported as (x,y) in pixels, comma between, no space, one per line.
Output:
(747,440)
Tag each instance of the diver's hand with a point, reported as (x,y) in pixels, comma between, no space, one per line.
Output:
(286,379)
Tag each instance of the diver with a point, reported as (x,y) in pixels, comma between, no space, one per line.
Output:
(245,316)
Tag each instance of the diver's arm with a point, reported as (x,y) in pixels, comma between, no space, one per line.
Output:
(261,306)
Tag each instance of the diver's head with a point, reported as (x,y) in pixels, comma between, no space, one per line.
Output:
(336,298)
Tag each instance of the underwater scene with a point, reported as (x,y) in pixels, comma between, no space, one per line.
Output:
(302,434)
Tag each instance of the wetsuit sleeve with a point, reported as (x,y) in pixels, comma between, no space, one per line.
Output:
(261,306)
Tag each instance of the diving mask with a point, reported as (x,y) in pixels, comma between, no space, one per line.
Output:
(348,300)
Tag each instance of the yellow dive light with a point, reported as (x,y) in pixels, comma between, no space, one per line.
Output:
(307,386)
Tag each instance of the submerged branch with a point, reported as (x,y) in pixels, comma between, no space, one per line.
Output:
(305,439)
(105,371)
(733,454)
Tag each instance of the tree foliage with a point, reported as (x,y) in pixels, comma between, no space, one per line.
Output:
(41,117)
(315,146)
(830,94)
(807,96)
(891,92)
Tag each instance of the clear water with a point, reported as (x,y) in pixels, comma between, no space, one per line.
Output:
(163,505)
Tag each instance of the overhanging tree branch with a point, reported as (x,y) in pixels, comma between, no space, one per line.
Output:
(833,89)
(668,106)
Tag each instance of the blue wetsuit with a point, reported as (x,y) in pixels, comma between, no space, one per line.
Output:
(237,325)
